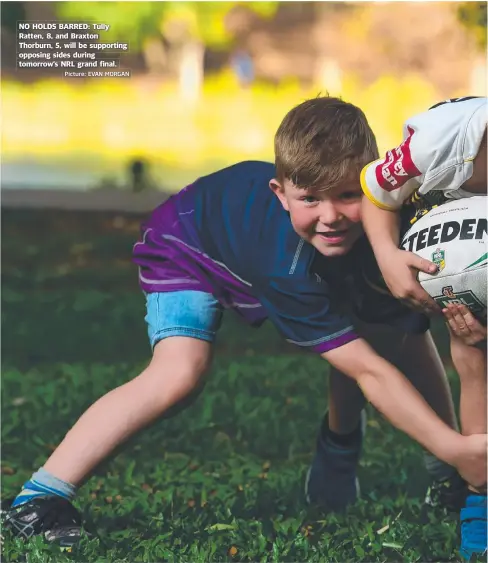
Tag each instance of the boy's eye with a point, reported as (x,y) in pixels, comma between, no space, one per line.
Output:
(309,199)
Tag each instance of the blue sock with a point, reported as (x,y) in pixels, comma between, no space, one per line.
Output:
(44,484)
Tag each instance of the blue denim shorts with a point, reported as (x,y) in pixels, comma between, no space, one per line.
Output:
(182,313)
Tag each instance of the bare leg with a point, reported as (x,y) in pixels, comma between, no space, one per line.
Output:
(470,363)
(346,401)
(177,365)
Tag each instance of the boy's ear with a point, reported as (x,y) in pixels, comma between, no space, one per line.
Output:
(279,192)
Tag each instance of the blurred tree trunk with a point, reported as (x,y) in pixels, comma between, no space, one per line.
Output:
(191,71)
(186,57)
(155,55)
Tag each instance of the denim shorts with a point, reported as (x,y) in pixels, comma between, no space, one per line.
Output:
(182,313)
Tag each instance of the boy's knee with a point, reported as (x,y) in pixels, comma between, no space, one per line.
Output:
(183,376)
(190,373)
(180,365)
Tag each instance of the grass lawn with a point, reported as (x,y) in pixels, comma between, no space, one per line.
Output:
(222,480)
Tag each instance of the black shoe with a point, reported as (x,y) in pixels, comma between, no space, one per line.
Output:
(52,517)
(449,494)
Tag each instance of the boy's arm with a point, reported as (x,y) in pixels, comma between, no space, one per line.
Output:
(396,398)
(399,267)
(381,225)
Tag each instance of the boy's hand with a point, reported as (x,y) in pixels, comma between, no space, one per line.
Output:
(471,460)
(400,269)
(463,325)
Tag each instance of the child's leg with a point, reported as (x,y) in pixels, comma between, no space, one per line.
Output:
(177,365)
(470,364)
(468,351)
(182,326)
(346,401)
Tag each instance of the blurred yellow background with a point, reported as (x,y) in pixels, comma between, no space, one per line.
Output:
(86,131)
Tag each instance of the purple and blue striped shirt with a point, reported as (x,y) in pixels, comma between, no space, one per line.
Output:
(227,234)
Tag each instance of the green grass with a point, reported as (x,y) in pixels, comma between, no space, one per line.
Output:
(223,479)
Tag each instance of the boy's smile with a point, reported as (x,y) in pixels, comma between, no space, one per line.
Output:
(333,236)
(328,219)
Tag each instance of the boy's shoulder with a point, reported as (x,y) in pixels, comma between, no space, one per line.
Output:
(237,219)
(436,154)
(243,171)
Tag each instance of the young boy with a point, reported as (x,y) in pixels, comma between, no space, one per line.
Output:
(443,156)
(289,254)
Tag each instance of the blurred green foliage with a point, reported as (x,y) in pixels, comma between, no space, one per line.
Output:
(473,15)
(137,21)
(11,12)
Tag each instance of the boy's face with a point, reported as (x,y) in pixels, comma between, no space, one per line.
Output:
(330,220)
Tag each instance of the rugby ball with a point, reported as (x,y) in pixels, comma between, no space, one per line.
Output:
(454,236)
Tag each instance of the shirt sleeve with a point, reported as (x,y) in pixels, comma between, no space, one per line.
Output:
(306,314)
(390,181)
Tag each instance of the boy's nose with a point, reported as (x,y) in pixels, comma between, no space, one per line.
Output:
(329,214)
